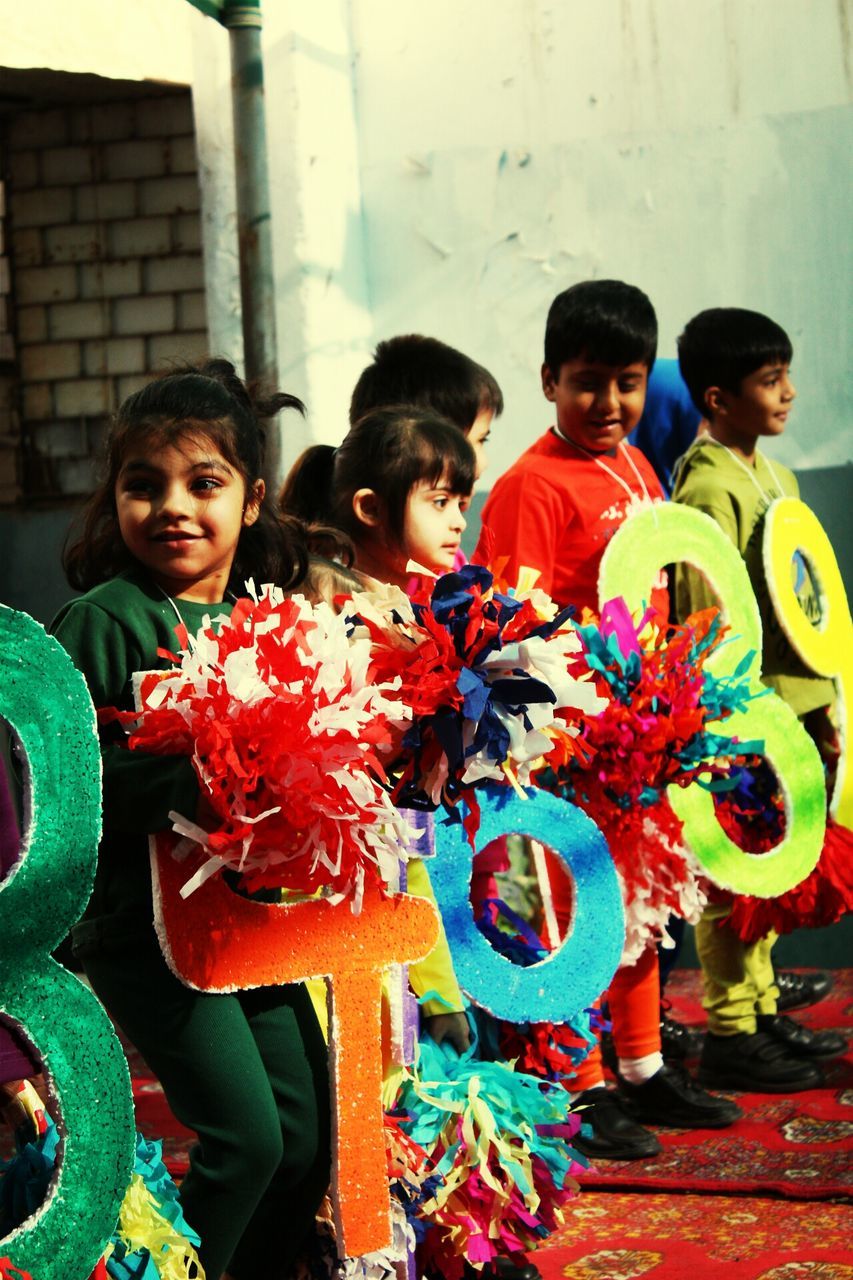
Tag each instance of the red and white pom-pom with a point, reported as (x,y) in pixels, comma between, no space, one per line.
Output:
(284,724)
(659,875)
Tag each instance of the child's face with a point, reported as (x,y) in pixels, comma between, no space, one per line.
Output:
(478,435)
(433,525)
(762,405)
(597,404)
(181,512)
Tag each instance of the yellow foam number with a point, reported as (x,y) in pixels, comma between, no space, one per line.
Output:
(637,552)
(44,700)
(827,648)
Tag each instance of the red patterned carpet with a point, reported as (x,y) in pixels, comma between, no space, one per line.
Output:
(623,1236)
(635,1221)
(799,1146)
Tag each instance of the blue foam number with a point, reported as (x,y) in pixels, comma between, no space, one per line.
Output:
(572,977)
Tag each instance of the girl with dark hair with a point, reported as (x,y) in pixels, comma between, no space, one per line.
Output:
(174,528)
(398,486)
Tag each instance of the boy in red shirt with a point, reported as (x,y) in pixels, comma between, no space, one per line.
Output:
(555,510)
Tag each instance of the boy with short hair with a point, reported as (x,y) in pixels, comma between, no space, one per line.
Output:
(559,504)
(555,510)
(736,364)
(413,369)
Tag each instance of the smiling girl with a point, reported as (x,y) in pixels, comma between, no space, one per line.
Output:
(175,527)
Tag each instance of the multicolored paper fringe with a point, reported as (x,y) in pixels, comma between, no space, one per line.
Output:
(493,678)
(500,1144)
(152,1240)
(655,732)
(282,714)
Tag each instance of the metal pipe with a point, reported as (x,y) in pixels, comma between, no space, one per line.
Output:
(254,225)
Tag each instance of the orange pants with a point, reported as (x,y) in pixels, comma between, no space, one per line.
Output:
(633,995)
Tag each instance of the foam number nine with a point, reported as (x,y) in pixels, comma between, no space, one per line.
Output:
(641,547)
(44,700)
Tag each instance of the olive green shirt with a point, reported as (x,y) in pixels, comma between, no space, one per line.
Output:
(712,481)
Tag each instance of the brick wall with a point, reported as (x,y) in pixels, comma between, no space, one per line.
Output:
(104,257)
(10,453)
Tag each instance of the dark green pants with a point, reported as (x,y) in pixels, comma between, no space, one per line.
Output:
(248,1073)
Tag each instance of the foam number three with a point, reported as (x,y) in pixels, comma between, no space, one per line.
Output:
(827,648)
(637,552)
(43,698)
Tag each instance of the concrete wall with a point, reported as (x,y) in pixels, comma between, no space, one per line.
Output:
(510,149)
(448,168)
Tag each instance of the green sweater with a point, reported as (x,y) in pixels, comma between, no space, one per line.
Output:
(711,480)
(111,632)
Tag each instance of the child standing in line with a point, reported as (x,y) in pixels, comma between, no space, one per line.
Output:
(172,531)
(737,366)
(555,510)
(413,369)
(398,486)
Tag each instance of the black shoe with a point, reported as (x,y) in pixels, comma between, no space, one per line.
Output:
(756,1063)
(677,1041)
(800,1041)
(671,1097)
(799,990)
(506,1269)
(614,1136)
(502,1269)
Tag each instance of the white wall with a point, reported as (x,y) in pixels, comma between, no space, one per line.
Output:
(448,167)
(139,40)
(700,150)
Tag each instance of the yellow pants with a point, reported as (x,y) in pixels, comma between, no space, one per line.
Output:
(738,977)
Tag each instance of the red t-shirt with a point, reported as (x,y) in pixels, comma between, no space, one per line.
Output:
(556,509)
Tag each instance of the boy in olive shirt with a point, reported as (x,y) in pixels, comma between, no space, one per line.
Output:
(737,366)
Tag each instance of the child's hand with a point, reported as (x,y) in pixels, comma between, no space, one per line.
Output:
(449,1026)
(23,1109)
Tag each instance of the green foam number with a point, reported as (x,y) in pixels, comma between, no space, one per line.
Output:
(635,555)
(44,699)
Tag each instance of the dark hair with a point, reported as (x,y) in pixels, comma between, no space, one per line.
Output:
(602,320)
(389,450)
(209,401)
(722,346)
(412,369)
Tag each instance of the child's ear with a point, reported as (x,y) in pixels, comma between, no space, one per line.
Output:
(549,386)
(254,498)
(716,401)
(366,507)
